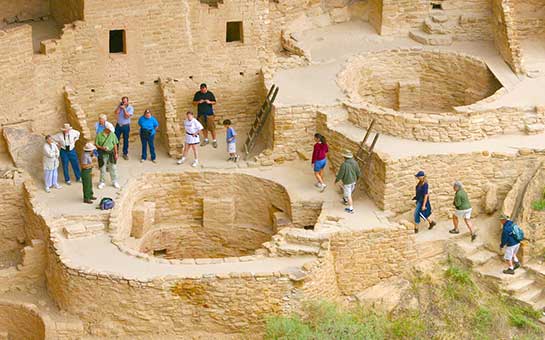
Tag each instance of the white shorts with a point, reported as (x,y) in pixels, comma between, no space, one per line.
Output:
(511,252)
(348,189)
(189,139)
(232,147)
(465,214)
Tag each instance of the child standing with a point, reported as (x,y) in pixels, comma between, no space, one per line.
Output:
(231,141)
(319,160)
(86,173)
(192,128)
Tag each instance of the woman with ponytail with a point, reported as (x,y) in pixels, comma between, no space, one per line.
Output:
(319,160)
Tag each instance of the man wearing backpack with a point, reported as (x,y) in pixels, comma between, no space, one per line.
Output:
(511,237)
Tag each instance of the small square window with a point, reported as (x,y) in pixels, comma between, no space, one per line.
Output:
(436,6)
(117,41)
(234,31)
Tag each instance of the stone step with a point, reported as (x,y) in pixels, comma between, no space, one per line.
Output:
(494,269)
(305,237)
(431,39)
(519,286)
(530,296)
(290,249)
(281,220)
(469,248)
(539,304)
(83,229)
(481,257)
(432,27)
(439,17)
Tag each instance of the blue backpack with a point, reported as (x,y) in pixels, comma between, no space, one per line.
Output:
(106,203)
(518,233)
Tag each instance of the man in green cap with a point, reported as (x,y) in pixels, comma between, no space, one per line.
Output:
(349,173)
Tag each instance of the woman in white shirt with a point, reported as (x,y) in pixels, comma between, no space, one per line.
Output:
(51,163)
(192,128)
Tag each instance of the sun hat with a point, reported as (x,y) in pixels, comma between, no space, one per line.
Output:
(347,154)
(109,126)
(66,127)
(420,174)
(89,147)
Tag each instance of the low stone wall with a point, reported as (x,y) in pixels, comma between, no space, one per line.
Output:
(29,273)
(12,225)
(20,321)
(364,258)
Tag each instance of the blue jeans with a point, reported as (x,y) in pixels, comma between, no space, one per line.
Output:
(145,141)
(125,130)
(418,213)
(72,158)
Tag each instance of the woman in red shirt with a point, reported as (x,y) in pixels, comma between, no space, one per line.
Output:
(319,160)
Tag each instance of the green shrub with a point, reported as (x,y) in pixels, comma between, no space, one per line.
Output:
(539,205)
(459,276)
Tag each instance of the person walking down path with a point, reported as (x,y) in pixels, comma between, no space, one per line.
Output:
(87,173)
(348,173)
(107,145)
(231,139)
(51,164)
(463,210)
(192,128)
(124,112)
(512,244)
(148,128)
(423,205)
(205,100)
(319,160)
(66,140)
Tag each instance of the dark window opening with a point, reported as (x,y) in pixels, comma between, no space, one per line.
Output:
(117,41)
(308,227)
(160,252)
(436,6)
(234,31)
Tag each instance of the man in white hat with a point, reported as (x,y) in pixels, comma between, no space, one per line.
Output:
(349,173)
(66,140)
(86,173)
(106,143)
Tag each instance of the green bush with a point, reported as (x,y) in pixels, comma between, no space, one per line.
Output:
(539,205)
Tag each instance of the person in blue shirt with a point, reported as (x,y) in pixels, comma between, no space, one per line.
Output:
(508,239)
(230,138)
(148,128)
(423,205)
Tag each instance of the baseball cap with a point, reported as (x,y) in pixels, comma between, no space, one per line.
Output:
(203,85)
(420,174)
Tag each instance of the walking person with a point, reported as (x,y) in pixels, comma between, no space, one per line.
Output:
(107,145)
(230,138)
(66,140)
(511,242)
(124,112)
(87,173)
(51,163)
(319,160)
(205,100)
(148,127)
(423,205)
(463,210)
(349,173)
(192,128)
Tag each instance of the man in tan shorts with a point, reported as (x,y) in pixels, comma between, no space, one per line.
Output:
(205,100)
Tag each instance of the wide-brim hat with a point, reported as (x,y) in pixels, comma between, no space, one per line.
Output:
(89,147)
(109,126)
(66,127)
(347,154)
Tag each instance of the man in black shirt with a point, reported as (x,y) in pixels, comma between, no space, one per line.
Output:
(204,100)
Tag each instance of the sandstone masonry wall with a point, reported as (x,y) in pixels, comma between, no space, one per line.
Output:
(12,226)
(21,322)
(23,10)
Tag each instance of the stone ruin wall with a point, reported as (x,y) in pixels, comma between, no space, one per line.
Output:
(22,10)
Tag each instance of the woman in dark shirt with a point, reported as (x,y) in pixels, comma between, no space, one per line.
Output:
(423,206)
(319,160)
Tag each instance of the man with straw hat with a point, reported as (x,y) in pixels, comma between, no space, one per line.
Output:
(66,140)
(349,173)
(86,173)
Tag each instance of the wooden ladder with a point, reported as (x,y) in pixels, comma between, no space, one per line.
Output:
(260,119)
(362,150)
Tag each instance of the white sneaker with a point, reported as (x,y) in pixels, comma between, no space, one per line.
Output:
(322,187)
(101,185)
(116,185)
(195,163)
(181,160)
(318,185)
(58,186)
(47,190)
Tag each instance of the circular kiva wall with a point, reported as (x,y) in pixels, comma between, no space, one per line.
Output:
(416,80)
(202,215)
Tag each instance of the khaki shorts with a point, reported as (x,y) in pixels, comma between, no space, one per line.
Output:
(208,122)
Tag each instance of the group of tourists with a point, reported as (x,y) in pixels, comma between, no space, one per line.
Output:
(108,138)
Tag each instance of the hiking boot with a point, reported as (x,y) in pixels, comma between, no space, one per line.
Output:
(416,230)
(473,237)
(142,160)
(349,210)
(517,265)
(509,271)
(68,182)
(454,231)
(154,161)
(230,159)
(204,142)
(432,224)
(237,157)
(214,144)
(126,157)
